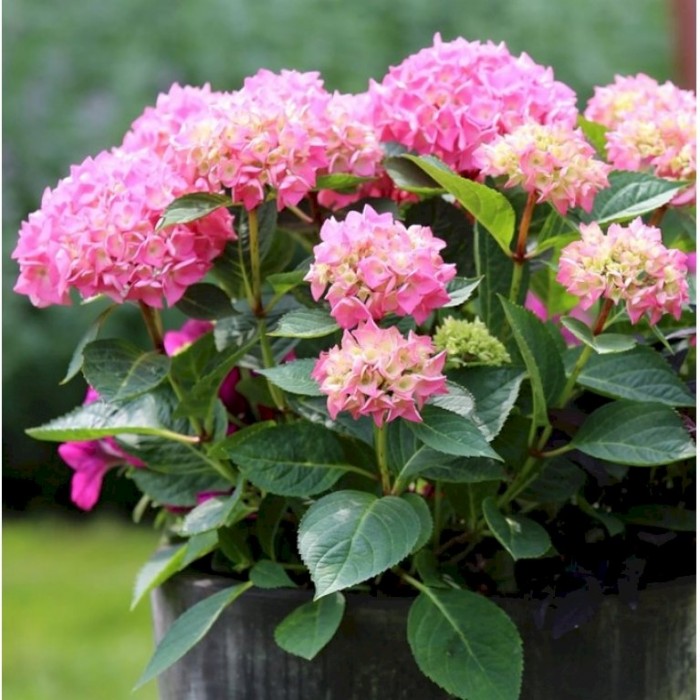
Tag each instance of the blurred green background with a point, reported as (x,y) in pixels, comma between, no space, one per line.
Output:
(76,74)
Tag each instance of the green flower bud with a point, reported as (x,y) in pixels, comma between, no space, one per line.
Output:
(469,343)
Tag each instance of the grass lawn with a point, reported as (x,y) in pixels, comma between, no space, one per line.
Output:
(67,629)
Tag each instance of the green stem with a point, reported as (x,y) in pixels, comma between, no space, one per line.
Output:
(154,326)
(269,361)
(380,447)
(412,581)
(520,254)
(437,514)
(254,242)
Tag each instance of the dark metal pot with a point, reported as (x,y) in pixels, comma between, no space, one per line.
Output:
(619,654)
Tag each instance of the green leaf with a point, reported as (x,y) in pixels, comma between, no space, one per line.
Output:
(118,370)
(206,302)
(170,457)
(409,176)
(350,536)
(632,194)
(541,357)
(641,374)
(424,516)
(522,537)
(305,323)
(191,207)
(213,513)
(284,282)
(233,543)
(294,377)
(447,432)
(496,270)
(556,232)
(661,516)
(595,135)
(270,514)
(559,481)
(489,207)
(177,489)
(457,400)
(300,459)
(495,391)
(635,434)
(91,334)
(466,644)
(306,630)
(188,629)
(340,182)
(199,546)
(270,574)
(460,291)
(159,568)
(143,415)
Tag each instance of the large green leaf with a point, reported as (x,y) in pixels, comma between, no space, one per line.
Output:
(300,459)
(632,194)
(191,207)
(294,377)
(118,370)
(214,513)
(496,270)
(522,537)
(205,301)
(488,206)
(177,489)
(147,414)
(461,290)
(350,536)
(466,644)
(305,323)
(452,434)
(635,434)
(160,567)
(424,515)
(541,357)
(495,391)
(188,629)
(306,630)
(640,374)
(269,574)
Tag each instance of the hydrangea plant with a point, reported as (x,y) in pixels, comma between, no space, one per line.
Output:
(427,323)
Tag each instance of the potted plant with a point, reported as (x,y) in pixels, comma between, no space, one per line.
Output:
(440,357)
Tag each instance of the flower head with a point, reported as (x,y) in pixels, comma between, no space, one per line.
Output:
(552,160)
(96,232)
(377,372)
(448,99)
(469,343)
(651,126)
(374,265)
(629,264)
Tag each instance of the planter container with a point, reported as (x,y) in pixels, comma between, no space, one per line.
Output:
(619,654)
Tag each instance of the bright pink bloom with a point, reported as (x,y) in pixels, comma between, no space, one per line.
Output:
(192,329)
(96,232)
(448,99)
(552,160)
(651,126)
(91,460)
(376,266)
(629,264)
(377,372)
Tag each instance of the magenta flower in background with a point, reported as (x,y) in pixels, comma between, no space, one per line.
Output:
(553,161)
(374,266)
(629,264)
(96,232)
(448,99)
(377,372)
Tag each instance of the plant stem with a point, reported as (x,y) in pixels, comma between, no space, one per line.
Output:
(254,242)
(382,461)
(520,254)
(154,326)
(657,215)
(269,361)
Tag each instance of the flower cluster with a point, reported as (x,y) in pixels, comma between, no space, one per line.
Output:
(448,99)
(377,372)
(469,343)
(97,232)
(376,266)
(552,160)
(629,264)
(651,127)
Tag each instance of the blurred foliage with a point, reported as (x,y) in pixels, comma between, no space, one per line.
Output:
(66,623)
(76,75)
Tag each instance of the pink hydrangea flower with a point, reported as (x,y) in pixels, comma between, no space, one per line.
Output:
(651,126)
(629,264)
(552,160)
(374,265)
(96,232)
(448,99)
(377,372)
(90,461)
